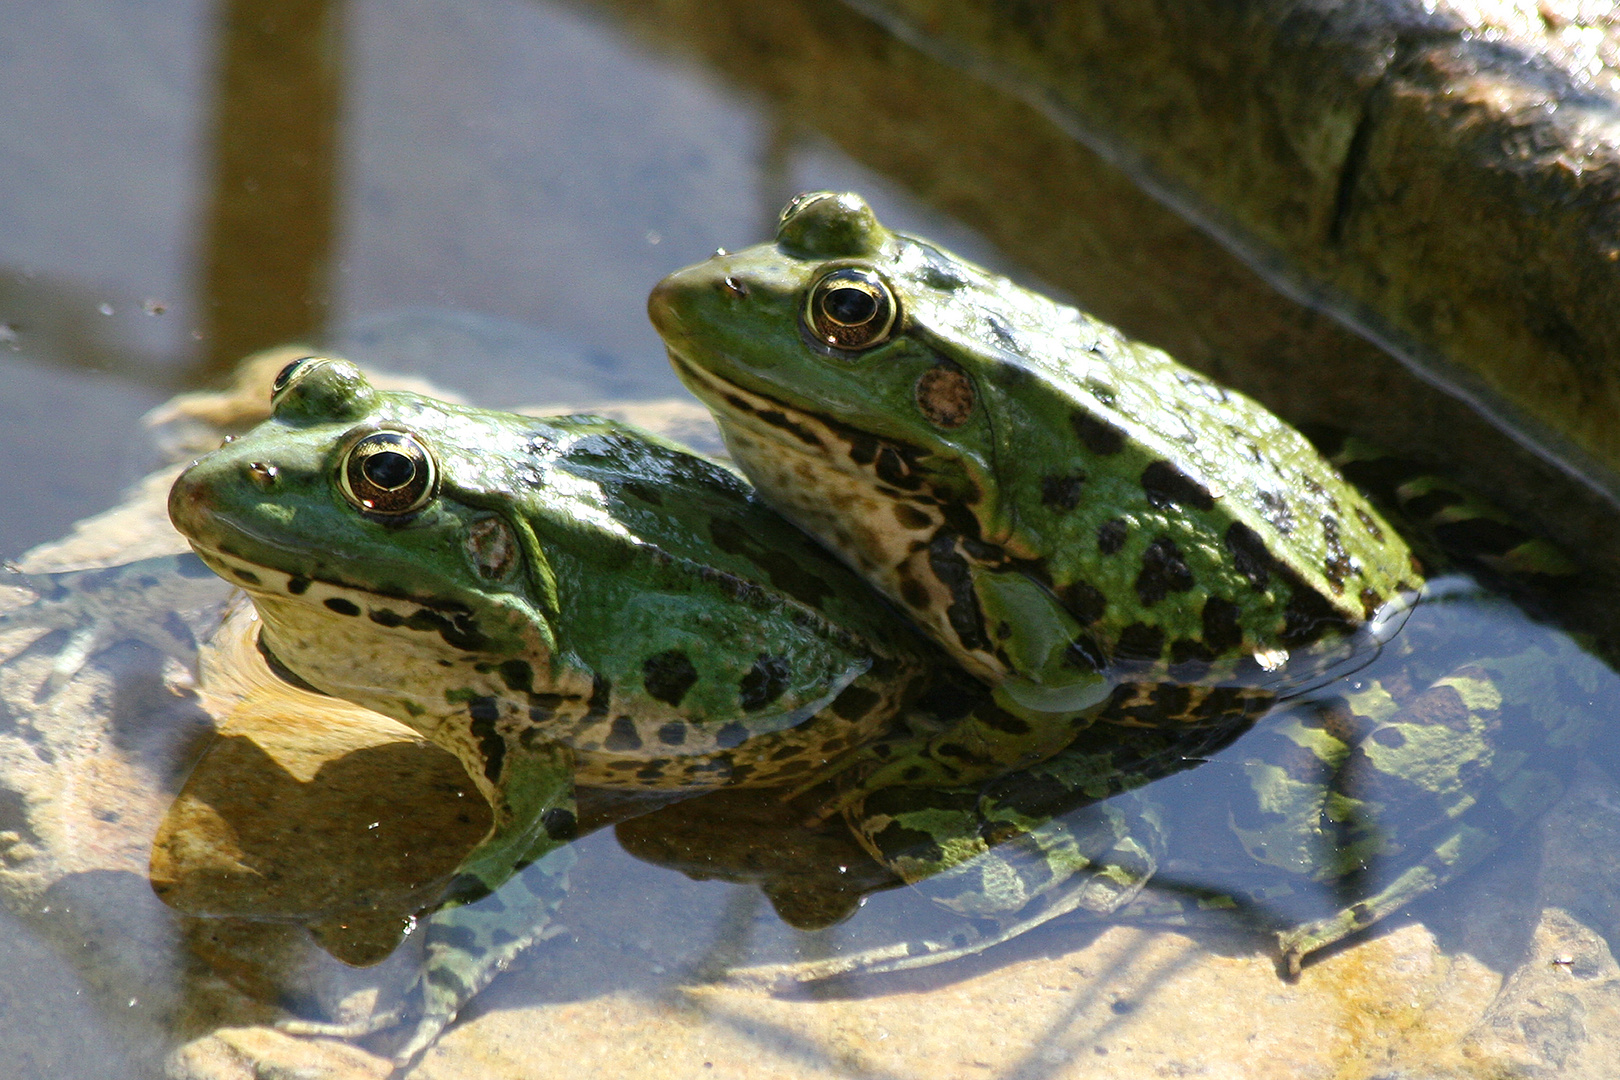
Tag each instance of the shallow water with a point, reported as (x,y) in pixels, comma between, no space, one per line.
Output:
(482,194)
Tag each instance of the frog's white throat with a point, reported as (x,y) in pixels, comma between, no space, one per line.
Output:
(360,646)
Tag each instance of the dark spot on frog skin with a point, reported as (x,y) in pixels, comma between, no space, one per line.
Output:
(893,469)
(1111,536)
(781,420)
(994,716)
(1443,705)
(668,676)
(596,706)
(945,396)
(622,735)
(1308,616)
(963,613)
(484,712)
(644,492)
(863,448)
(1275,509)
(672,733)
(457,937)
(854,703)
(560,823)
(1249,554)
(1061,491)
(1221,630)
(910,517)
(1189,659)
(766,681)
(459,630)
(1390,737)
(1370,601)
(1370,524)
(342,606)
(517,675)
(1164,571)
(912,592)
(785,572)
(1166,485)
(1338,565)
(449,980)
(1140,641)
(1083,600)
(246,576)
(1099,436)
(731,736)
(298,586)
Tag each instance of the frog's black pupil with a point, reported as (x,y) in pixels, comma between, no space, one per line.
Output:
(285,374)
(389,470)
(849,306)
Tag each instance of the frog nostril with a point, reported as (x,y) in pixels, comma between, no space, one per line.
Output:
(735,286)
(262,474)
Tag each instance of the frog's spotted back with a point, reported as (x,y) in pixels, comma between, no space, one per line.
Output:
(1015,473)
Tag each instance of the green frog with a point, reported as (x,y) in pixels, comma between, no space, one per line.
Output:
(1108,539)
(570,602)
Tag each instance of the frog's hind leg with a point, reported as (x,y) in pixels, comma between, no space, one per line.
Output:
(1395,786)
(1006,856)
(1451,520)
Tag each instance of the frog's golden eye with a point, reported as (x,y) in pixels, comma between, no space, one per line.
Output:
(388,472)
(851,309)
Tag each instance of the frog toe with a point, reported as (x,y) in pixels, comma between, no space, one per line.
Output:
(343,1029)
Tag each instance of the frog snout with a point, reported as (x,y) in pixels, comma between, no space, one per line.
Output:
(187,497)
(663,305)
(196,495)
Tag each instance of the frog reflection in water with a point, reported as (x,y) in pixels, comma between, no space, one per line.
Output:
(1105,537)
(569,602)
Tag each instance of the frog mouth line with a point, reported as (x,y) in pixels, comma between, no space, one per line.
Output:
(251,578)
(806,428)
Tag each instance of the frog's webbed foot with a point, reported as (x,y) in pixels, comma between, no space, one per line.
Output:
(165,602)
(468,944)
(350,1029)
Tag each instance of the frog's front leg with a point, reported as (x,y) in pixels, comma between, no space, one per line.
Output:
(499,903)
